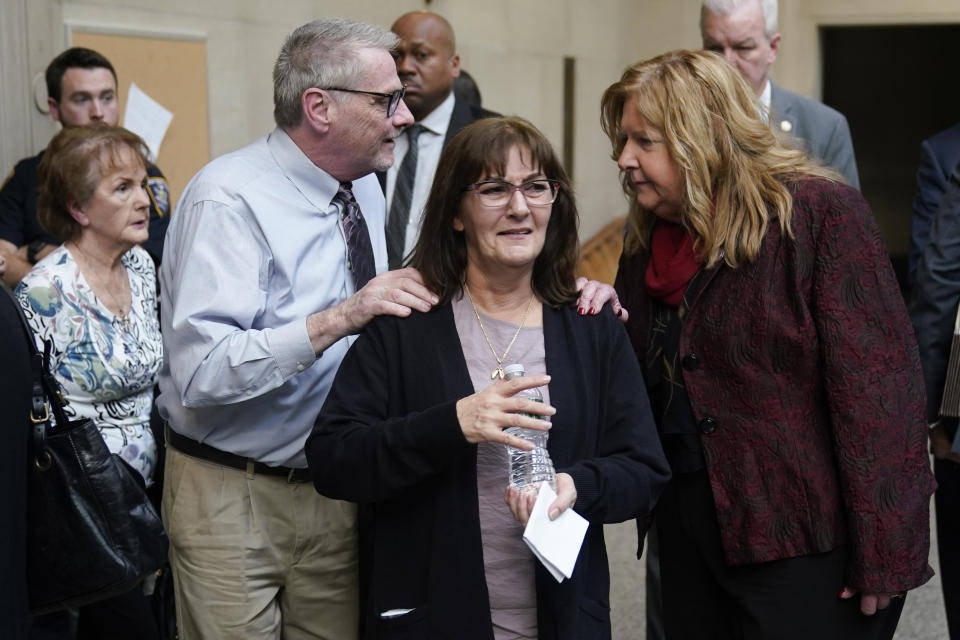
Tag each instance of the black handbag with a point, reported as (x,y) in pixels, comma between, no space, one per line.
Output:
(92,532)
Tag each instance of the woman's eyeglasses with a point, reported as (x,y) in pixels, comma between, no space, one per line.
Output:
(497,193)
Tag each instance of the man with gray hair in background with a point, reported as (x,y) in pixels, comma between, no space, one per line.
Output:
(269,269)
(745,33)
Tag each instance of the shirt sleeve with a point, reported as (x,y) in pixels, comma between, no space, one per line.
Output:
(41,297)
(214,294)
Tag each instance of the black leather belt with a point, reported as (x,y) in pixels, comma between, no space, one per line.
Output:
(191,447)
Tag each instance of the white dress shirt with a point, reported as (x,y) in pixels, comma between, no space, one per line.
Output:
(765,96)
(430,146)
(255,246)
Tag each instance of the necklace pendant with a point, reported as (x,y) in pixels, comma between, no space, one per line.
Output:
(497,372)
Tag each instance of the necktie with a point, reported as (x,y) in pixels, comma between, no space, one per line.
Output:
(359,249)
(402,194)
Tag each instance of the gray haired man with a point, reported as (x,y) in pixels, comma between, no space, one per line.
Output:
(270,266)
(745,33)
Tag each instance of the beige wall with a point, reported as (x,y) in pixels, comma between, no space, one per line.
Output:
(27,43)
(514,48)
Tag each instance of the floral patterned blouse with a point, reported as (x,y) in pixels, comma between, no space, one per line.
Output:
(107,365)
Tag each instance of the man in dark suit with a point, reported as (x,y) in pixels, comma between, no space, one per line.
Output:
(939,154)
(933,311)
(745,33)
(427,63)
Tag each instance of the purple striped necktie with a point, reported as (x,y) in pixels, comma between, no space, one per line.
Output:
(359,248)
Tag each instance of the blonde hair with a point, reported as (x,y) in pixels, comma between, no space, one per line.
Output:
(733,165)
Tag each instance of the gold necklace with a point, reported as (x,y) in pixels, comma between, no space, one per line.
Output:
(123,317)
(499,370)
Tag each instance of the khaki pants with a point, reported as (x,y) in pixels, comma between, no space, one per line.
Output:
(256,557)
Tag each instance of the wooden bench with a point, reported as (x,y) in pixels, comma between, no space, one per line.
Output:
(600,254)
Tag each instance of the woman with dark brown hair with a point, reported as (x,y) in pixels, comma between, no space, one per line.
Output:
(780,364)
(413,427)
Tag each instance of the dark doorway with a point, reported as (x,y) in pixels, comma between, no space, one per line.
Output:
(897,86)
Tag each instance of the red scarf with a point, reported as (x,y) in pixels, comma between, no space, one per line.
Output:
(672,263)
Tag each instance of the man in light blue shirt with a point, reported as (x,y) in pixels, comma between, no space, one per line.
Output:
(268,270)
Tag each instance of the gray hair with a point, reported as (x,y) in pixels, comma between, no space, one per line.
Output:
(321,54)
(726,7)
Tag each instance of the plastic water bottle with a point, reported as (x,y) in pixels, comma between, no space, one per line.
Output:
(529,468)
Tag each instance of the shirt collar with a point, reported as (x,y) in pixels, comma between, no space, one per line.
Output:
(765,97)
(316,185)
(438,120)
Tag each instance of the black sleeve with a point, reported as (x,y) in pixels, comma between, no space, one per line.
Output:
(933,304)
(362,450)
(160,207)
(14,424)
(627,474)
(18,206)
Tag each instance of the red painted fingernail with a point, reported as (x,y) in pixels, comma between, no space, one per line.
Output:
(842,591)
(619,312)
(580,311)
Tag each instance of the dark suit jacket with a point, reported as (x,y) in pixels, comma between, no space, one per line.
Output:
(823,132)
(808,367)
(463,114)
(388,438)
(938,156)
(936,293)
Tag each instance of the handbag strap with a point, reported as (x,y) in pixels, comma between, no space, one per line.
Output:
(45,390)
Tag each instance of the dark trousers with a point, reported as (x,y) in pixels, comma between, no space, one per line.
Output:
(124,617)
(654,597)
(947,500)
(795,598)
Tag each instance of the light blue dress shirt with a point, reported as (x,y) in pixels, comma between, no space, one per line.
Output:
(254,247)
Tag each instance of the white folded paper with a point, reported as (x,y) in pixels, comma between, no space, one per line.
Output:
(147,118)
(556,543)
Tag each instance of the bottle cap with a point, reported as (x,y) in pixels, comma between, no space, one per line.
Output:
(513,370)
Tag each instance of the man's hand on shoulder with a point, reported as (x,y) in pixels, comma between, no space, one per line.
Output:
(394,293)
(391,293)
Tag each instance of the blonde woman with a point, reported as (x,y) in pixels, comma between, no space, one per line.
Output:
(780,364)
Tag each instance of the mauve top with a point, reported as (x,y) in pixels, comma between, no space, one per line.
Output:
(507,562)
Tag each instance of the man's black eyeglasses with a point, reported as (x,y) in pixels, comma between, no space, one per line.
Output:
(393,99)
